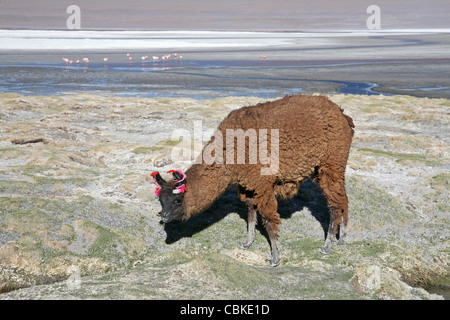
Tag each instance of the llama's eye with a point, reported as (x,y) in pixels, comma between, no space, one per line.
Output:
(177,201)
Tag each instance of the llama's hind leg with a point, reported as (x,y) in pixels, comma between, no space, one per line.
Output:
(272,230)
(343,229)
(333,187)
(250,228)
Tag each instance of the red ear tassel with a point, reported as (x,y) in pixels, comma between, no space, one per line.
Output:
(153,174)
(179,172)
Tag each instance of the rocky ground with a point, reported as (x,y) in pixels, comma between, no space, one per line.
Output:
(79,220)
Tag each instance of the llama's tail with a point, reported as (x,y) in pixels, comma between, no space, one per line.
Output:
(349,121)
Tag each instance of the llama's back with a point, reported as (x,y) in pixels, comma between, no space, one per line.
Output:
(289,112)
(310,129)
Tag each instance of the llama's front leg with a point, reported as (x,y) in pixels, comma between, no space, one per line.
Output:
(329,239)
(250,228)
(331,234)
(271,219)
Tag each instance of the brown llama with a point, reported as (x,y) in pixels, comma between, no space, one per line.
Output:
(314,138)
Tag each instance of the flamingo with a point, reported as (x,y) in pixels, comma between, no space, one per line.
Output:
(78,61)
(86,61)
(105,60)
(130,58)
(128,54)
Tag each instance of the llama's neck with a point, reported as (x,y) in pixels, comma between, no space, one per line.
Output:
(204,184)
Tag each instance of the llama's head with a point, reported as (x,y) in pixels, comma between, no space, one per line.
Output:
(170,195)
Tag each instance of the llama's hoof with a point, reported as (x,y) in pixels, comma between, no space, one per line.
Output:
(273,263)
(325,250)
(244,245)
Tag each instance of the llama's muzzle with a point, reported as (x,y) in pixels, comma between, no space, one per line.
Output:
(165,217)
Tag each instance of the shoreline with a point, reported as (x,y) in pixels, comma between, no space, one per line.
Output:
(213,66)
(22,39)
(159,81)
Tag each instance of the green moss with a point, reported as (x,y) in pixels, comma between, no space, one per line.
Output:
(8,204)
(439,198)
(372,207)
(405,157)
(445,102)
(10,95)
(144,150)
(160,146)
(440,182)
(32,169)
(226,232)
(48,220)
(165,101)
(233,274)
(75,182)
(28,221)
(111,245)
(373,108)
(171,258)
(11,187)
(42,185)
(370,249)
(67,233)
(302,247)
(11,153)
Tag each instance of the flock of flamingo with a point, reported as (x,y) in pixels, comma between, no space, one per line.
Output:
(86,61)
(69,62)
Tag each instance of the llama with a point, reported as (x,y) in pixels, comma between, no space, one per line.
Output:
(314,142)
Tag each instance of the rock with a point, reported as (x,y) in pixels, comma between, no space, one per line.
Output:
(29,140)
(384,282)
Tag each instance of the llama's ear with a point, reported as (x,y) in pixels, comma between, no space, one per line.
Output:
(158,179)
(177,175)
